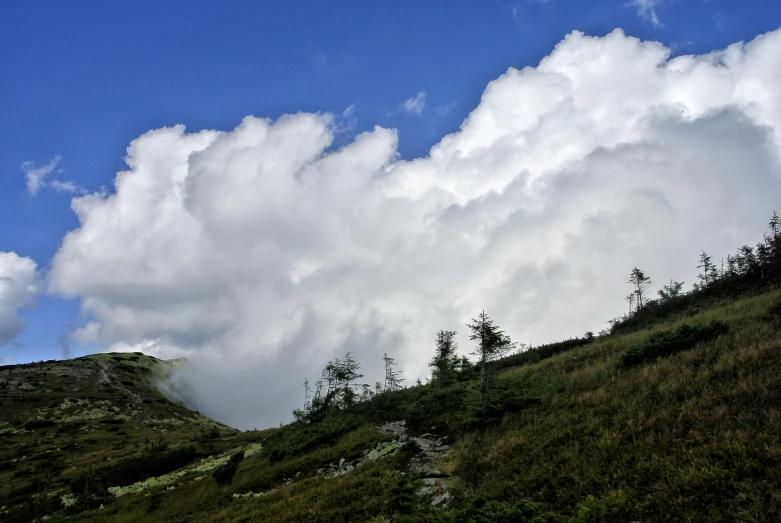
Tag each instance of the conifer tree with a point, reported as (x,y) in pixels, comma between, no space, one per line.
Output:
(492,343)
(444,358)
(393,379)
(641,283)
(774,240)
(708,274)
(670,290)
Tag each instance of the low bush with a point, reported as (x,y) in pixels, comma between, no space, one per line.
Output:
(224,474)
(39,424)
(667,343)
(131,470)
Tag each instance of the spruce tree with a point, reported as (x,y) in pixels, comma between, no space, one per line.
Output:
(641,283)
(492,343)
(393,379)
(709,273)
(670,290)
(444,358)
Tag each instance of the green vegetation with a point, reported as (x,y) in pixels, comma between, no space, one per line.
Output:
(667,343)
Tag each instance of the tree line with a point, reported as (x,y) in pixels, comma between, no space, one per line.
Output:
(749,270)
(339,385)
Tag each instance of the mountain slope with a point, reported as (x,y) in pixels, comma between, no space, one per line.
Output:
(60,419)
(686,429)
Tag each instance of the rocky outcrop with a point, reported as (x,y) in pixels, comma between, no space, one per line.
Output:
(431,448)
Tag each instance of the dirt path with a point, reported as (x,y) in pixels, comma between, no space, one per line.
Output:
(135,399)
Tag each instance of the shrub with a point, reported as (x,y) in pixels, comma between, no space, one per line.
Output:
(480,511)
(774,311)
(224,475)
(130,470)
(441,410)
(667,343)
(39,424)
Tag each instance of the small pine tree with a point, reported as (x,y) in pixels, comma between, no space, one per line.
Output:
(492,344)
(670,290)
(444,359)
(709,272)
(393,379)
(641,283)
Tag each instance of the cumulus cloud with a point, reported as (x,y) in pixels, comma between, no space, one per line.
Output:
(414,105)
(39,177)
(646,9)
(19,285)
(262,252)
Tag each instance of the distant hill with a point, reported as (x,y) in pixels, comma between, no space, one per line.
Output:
(64,422)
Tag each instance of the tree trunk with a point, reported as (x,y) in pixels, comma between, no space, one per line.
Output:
(482,377)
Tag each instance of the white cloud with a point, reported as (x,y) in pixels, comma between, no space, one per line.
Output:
(260,253)
(19,285)
(415,105)
(39,177)
(36,176)
(445,109)
(646,9)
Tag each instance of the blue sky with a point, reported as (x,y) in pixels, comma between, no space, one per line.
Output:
(81,80)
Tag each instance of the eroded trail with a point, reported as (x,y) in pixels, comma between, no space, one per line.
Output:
(134,400)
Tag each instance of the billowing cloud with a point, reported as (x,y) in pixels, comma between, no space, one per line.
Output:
(415,104)
(44,175)
(262,252)
(19,284)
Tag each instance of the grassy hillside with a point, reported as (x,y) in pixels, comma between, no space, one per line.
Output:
(71,429)
(686,428)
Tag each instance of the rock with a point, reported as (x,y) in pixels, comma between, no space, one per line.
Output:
(424,443)
(434,473)
(373,454)
(440,498)
(341,462)
(423,491)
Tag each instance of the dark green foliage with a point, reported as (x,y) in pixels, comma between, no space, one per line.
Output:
(619,506)
(542,352)
(774,311)
(399,496)
(154,462)
(440,410)
(39,424)
(445,360)
(293,440)
(224,474)
(491,344)
(482,511)
(666,343)
(458,409)
(155,500)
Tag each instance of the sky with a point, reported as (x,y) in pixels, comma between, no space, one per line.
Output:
(261,188)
